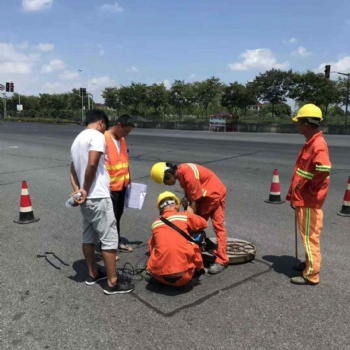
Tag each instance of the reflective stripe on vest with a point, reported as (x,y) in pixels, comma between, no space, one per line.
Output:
(196,175)
(117,164)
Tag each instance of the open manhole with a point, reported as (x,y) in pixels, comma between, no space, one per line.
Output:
(238,251)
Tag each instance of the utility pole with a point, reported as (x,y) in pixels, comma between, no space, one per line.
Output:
(347,96)
(88,83)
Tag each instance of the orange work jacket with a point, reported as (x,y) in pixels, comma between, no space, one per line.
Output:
(117,163)
(201,185)
(170,252)
(310,180)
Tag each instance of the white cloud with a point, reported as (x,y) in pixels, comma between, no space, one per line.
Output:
(301,51)
(53,66)
(36,5)
(290,41)
(23,46)
(132,69)
(342,66)
(115,8)
(166,83)
(263,59)
(14,62)
(45,47)
(69,75)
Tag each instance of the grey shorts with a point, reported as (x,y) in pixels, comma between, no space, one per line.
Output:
(99,223)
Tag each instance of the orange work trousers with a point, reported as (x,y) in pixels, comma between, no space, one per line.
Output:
(310,223)
(217,216)
(184,279)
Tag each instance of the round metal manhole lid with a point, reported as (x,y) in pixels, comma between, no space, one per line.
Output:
(238,251)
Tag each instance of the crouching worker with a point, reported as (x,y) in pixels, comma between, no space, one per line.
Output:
(174,260)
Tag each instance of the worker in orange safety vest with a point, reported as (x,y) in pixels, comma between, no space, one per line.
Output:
(117,164)
(308,191)
(174,260)
(207,195)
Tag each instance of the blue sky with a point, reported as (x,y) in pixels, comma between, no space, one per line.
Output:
(44,43)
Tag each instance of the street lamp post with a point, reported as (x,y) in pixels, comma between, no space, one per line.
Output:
(347,96)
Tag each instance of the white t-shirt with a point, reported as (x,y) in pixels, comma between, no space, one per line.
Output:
(91,140)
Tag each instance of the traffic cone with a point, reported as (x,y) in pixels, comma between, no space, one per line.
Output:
(275,190)
(26,215)
(345,209)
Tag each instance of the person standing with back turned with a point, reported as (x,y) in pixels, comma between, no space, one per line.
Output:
(89,176)
(207,195)
(308,191)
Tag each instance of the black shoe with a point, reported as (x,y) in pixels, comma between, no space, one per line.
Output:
(302,281)
(119,288)
(199,273)
(300,267)
(91,280)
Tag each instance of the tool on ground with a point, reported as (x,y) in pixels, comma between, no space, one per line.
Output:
(50,262)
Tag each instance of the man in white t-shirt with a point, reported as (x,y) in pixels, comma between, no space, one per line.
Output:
(90,177)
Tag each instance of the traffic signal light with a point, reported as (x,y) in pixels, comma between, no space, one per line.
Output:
(82,92)
(327,71)
(10,87)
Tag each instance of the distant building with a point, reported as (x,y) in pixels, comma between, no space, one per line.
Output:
(100,105)
(221,122)
(256,108)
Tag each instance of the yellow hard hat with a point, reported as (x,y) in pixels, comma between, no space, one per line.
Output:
(308,111)
(167,195)
(157,172)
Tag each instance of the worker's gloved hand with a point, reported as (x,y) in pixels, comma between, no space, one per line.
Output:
(184,202)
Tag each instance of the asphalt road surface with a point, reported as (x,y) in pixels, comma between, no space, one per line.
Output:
(45,304)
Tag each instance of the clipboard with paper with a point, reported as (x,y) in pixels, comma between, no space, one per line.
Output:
(135,195)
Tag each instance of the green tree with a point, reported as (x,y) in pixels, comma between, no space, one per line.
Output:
(134,98)
(177,96)
(237,97)
(273,86)
(112,98)
(280,110)
(314,88)
(157,98)
(207,92)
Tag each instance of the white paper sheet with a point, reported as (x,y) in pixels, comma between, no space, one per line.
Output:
(135,195)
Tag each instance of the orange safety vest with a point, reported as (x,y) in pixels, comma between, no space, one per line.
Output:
(170,252)
(310,180)
(201,185)
(117,163)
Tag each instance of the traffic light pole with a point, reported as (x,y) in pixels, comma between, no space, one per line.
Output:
(347,96)
(4,101)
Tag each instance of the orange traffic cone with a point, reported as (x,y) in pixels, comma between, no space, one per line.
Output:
(345,209)
(26,215)
(275,190)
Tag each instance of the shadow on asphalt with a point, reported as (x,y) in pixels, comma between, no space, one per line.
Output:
(81,271)
(282,264)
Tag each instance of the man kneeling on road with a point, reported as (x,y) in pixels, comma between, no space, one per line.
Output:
(174,260)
